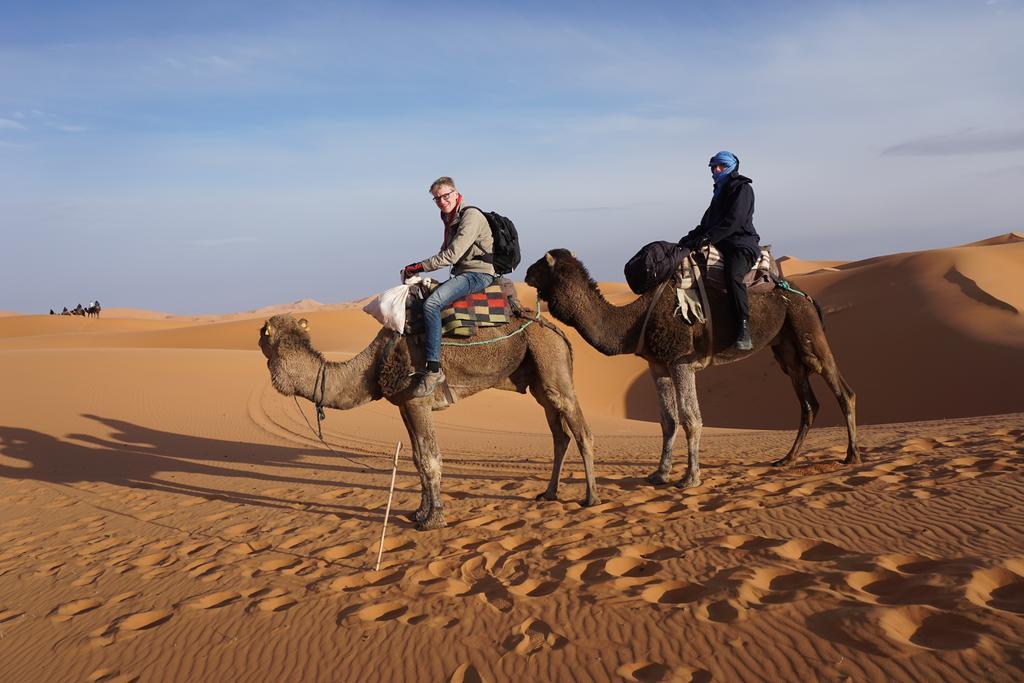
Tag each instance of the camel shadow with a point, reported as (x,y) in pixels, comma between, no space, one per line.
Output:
(142,458)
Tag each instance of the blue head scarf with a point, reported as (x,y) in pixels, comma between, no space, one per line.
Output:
(730,161)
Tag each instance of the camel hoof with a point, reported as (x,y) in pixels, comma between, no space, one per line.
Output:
(434,521)
(782,462)
(590,502)
(657,478)
(547,495)
(689,483)
(852,459)
(417,515)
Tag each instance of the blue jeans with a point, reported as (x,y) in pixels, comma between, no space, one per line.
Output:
(447,292)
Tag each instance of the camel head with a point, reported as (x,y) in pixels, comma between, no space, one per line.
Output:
(553,270)
(283,333)
(291,357)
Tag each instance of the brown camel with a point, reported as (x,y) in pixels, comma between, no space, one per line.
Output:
(786,321)
(537,358)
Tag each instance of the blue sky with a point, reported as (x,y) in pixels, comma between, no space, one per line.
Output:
(221,156)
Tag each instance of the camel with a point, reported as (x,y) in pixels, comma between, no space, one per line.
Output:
(537,358)
(93,310)
(789,323)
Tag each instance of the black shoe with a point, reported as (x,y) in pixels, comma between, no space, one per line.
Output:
(743,342)
(426,382)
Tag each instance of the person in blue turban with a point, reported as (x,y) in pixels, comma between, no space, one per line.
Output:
(728,224)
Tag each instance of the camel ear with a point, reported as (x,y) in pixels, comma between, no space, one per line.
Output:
(573,254)
(304,324)
(550,259)
(267,329)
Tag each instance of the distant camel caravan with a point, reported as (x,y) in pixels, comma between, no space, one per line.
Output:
(537,358)
(91,311)
(674,350)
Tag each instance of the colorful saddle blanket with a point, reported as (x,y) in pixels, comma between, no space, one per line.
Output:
(489,308)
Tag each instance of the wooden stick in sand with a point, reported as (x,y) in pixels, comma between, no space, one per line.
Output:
(387,511)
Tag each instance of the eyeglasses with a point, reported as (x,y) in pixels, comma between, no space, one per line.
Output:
(442,197)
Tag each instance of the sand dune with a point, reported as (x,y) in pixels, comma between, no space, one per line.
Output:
(165,514)
(793,266)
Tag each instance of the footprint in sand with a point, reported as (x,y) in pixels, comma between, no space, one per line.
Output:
(214,600)
(533,588)
(49,569)
(890,588)
(351,582)
(385,611)
(674,593)
(632,567)
(88,578)
(533,636)
(271,600)
(656,672)
(722,611)
(810,549)
(9,615)
(335,494)
(111,676)
(932,630)
(997,588)
(467,673)
(140,621)
(71,609)
(241,529)
(342,552)
(204,569)
(278,564)
(153,560)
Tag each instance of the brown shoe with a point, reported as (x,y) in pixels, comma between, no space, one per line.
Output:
(426,382)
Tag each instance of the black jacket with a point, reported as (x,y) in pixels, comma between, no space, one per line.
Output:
(729,221)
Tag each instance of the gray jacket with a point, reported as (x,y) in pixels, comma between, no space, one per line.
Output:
(469,247)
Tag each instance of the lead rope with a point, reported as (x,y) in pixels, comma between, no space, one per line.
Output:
(709,358)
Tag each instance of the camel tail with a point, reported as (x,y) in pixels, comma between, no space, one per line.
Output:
(820,310)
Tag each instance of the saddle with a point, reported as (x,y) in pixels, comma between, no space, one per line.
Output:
(494,306)
(707,269)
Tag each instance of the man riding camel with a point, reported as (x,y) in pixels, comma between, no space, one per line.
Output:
(728,224)
(468,247)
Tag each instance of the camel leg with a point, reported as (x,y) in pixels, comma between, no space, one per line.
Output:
(788,359)
(564,401)
(685,380)
(421,512)
(848,404)
(429,465)
(824,362)
(561,443)
(669,414)
(569,408)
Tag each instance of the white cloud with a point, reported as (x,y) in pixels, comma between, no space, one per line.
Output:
(11,124)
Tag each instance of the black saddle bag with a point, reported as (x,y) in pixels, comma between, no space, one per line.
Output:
(653,264)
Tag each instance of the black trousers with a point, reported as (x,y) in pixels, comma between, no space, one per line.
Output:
(737,264)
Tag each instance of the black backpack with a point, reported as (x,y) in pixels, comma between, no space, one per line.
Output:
(653,264)
(506,241)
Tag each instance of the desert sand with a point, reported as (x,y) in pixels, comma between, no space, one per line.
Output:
(165,514)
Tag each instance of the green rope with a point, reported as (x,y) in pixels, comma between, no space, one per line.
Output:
(783,284)
(488,341)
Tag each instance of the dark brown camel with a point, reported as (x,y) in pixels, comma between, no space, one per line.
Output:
(537,358)
(674,350)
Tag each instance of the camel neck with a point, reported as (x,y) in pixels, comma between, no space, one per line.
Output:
(351,383)
(612,330)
